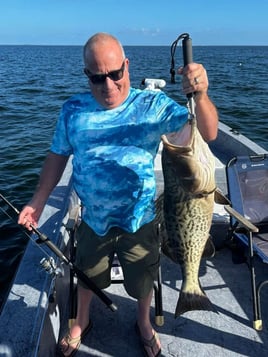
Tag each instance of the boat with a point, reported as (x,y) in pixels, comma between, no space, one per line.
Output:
(36,312)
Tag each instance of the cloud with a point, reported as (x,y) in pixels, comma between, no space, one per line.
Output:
(143,31)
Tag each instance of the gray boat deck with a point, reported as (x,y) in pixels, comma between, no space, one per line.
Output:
(227,333)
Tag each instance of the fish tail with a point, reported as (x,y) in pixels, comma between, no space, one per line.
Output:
(193,301)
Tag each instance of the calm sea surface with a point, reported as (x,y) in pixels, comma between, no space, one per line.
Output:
(36,80)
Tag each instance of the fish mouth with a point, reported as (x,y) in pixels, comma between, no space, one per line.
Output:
(189,159)
(179,140)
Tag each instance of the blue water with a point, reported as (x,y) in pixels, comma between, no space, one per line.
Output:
(35,80)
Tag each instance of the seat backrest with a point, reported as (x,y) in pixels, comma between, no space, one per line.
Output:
(247,182)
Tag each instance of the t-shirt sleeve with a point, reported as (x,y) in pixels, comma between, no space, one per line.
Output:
(173,115)
(60,142)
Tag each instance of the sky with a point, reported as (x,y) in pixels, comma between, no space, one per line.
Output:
(135,22)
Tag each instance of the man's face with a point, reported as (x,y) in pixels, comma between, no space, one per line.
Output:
(108,75)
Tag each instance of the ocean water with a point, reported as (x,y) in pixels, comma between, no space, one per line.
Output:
(36,80)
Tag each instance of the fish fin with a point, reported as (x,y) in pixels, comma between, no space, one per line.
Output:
(193,301)
(220,198)
(209,250)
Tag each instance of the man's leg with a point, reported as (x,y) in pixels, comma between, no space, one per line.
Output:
(145,325)
(84,297)
(138,254)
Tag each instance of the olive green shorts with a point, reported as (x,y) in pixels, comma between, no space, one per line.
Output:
(138,254)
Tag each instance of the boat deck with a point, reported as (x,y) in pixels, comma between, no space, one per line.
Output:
(227,332)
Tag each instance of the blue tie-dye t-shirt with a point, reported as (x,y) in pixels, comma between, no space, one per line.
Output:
(113,155)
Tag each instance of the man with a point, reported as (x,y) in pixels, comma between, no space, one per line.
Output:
(113,133)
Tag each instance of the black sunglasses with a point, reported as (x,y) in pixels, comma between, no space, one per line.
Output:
(101,78)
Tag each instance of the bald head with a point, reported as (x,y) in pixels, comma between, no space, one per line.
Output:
(99,42)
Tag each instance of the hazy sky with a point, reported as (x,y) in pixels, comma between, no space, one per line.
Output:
(135,22)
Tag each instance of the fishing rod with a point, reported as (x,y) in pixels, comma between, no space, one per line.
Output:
(79,273)
(187,51)
(187,54)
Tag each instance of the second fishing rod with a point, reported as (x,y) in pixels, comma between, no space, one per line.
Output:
(79,273)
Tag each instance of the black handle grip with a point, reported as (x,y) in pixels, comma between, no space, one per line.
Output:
(187,55)
(187,50)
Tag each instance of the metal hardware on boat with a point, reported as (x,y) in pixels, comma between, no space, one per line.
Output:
(52,297)
(49,265)
(153,84)
(234,131)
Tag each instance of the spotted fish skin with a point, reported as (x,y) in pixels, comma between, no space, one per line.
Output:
(184,214)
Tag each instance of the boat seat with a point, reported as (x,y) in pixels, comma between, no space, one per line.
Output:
(117,277)
(247,182)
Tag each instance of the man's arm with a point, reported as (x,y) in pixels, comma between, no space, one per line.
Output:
(207,116)
(195,80)
(51,173)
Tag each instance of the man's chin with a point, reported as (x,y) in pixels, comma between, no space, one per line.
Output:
(110,103)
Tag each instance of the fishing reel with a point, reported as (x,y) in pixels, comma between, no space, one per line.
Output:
(49,265)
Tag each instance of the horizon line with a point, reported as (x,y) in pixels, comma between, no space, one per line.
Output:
(140,45)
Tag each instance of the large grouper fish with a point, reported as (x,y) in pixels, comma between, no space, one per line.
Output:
(185,210)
